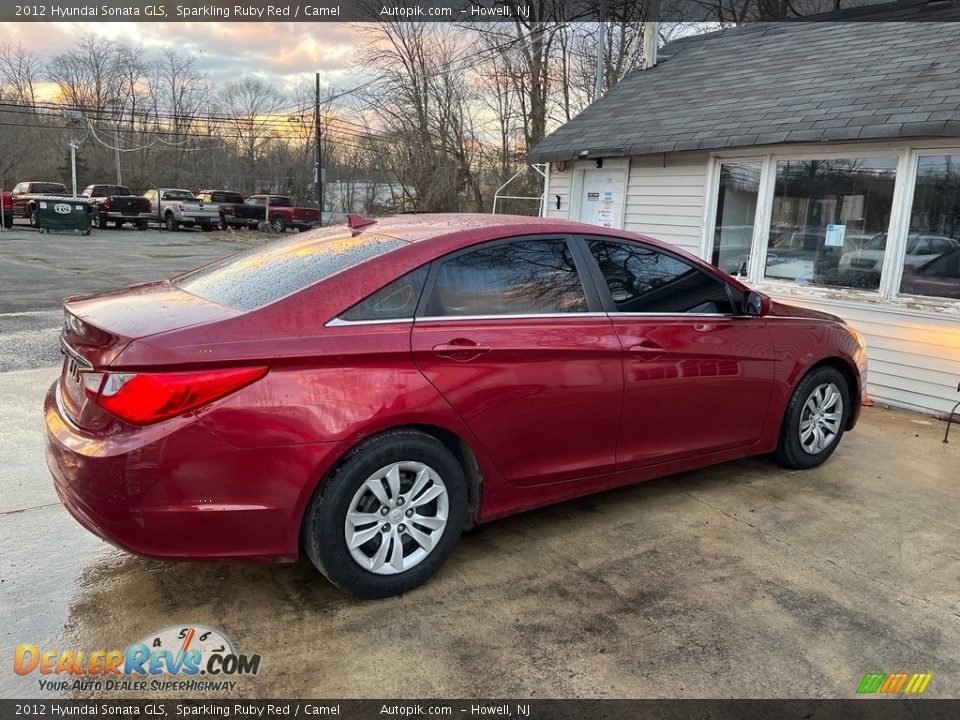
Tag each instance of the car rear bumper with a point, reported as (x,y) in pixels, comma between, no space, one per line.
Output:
(177,491)
(114,215)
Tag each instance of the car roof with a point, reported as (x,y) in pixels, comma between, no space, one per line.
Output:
(472,228)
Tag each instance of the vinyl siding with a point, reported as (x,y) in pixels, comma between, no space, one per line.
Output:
(665,197)
(559,185)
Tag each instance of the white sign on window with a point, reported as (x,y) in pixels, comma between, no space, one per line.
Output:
(834,237)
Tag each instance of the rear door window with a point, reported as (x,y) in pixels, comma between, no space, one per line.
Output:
(396,301)
(526,277)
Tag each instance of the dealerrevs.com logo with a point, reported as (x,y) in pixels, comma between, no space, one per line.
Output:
(189,658)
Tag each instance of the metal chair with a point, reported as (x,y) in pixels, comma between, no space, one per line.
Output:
(950,418)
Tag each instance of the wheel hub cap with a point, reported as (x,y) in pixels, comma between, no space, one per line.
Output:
(396,518)
(821,418)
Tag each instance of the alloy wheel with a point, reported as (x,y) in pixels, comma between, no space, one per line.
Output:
(820,419)
(396,518)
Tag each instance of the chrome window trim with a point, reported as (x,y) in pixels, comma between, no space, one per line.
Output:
(671,314)
(512,316)
(340,322)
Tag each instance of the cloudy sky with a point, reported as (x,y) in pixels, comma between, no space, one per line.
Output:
(281,52)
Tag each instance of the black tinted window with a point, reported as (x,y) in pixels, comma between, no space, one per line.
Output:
(395,301)
(259,276)
(519,278)
(644,280)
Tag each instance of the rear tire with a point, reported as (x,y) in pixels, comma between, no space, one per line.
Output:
(7,219)
(401,499)
(815,419)
(141,224)
(101,221)
(170,222)
(279,224)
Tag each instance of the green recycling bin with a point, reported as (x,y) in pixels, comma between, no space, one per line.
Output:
(64,213)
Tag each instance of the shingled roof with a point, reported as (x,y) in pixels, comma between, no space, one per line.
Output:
(775,83)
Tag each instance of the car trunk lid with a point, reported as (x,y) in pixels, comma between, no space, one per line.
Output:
(97,328)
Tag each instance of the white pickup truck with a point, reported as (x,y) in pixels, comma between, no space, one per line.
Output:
(172,207)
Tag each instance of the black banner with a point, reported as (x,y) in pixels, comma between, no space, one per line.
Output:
(854,709)
(464,11)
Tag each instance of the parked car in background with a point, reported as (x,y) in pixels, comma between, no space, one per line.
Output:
(921,249)
(234,212)
(284,214)
(939,277)
(25,195)
(6,208)
(116,204)
(366,392)
(175,207)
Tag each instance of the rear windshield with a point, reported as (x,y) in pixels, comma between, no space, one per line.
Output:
(47,187)
(99,190)
(177,195)
(260,276)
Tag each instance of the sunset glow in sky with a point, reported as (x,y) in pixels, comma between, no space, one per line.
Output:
(279,52)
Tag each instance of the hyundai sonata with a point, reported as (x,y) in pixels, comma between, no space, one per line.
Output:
(365,393)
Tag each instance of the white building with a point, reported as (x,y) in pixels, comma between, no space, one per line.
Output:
(820,161)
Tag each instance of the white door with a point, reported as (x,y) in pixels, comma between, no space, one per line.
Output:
(601,202)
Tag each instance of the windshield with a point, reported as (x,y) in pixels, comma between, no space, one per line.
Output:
(267,273)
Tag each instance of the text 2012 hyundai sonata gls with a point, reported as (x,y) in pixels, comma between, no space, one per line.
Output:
(367,392)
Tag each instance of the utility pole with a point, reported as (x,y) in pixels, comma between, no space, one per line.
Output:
(73,164)
(318,170)
(116,152)
(601,40)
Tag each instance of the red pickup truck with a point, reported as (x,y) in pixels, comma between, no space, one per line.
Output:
(284,215)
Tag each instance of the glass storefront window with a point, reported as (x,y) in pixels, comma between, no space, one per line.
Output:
(931,265)
(829,221)
(736,207)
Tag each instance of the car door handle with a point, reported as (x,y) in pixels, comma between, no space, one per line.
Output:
(461,349)
(646,349)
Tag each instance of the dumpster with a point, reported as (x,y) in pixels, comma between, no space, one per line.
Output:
(64,213)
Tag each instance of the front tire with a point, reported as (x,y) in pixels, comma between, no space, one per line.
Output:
(815,419)
(386,519)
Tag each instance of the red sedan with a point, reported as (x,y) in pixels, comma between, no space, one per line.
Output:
(368,392)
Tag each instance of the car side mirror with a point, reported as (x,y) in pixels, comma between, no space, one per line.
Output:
(756,304)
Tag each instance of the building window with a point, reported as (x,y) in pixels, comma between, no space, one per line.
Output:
(737,193)
(931,264)
(829,221)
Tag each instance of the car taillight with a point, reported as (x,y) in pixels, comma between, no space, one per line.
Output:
(145,398)
(180,207)
(106,204)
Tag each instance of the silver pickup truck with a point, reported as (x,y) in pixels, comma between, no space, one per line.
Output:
(172,207)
